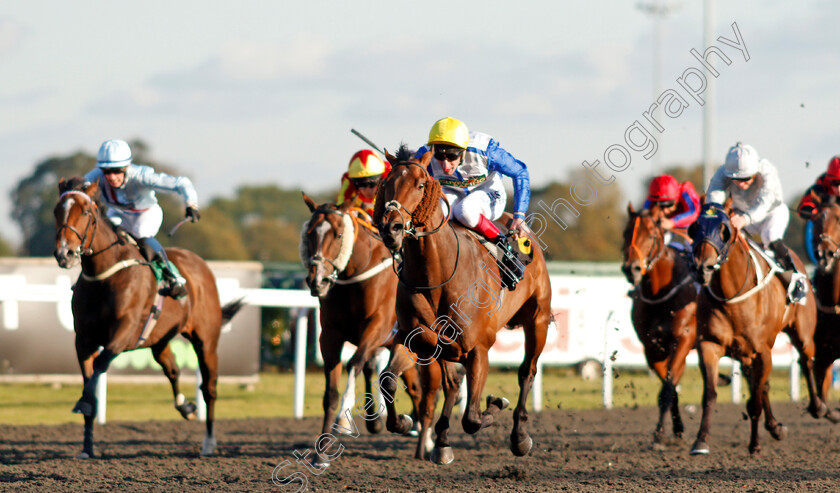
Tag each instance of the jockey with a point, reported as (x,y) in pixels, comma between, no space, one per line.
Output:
(679,202)
(129,191)
(469,167)
(827,185)
(756,193)
(361,180)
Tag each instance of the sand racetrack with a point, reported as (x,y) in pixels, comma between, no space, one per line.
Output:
(574,451)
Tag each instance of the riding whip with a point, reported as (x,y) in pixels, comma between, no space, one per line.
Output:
(367,141)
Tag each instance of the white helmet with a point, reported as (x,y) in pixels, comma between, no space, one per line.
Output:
(114,154)
(741,161)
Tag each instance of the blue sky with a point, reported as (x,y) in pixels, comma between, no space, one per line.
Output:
(254,92)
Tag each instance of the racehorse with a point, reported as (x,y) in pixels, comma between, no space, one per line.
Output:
(114,305)
(350,271)
(450,304)
(664,307)
(740,311)
(826,239)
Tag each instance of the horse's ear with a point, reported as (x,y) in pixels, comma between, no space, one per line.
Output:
(630,210)
(702,199)
(345,206)
(91,188)
(425,160)
(692,230)
(725,232)
(727,205)
(309,202)
(62,185)
(390,157)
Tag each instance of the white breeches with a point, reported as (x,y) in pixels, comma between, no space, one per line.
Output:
(487,199)
(139,224)
(772,227)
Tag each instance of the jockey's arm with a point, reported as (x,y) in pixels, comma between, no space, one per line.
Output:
(684,219)
(166,183)
(716,193)
(502,161)
(771,187)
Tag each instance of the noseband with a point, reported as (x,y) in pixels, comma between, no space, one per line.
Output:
(92,223)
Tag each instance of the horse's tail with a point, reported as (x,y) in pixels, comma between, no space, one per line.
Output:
(229,310)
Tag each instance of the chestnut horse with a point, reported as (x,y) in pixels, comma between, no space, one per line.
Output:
(826,239)
(450,304)
(739,314)
(664,307)
(350,271)
(113,300)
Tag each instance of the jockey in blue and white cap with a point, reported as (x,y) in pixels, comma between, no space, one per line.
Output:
(129,191)
(469,167)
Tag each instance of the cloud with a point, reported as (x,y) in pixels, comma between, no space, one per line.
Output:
(11,35)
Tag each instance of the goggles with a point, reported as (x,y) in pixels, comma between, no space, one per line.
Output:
(361,183)
(447,153)
(113,171)
(744,180)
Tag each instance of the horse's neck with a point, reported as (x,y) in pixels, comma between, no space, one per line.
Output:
(828,286)
(667,271)
(362,257)
(106,249)
(732,277)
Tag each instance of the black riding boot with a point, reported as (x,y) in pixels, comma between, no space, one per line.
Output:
(513,270)
(795,281)
(153,251)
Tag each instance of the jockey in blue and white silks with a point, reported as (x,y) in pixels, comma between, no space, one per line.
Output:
(129,191)
(469,167)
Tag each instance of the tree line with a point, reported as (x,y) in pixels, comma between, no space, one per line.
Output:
(262,222)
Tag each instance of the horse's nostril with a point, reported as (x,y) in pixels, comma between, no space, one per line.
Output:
(637,268)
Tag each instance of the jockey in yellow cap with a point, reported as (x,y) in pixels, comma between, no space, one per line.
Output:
(359,183)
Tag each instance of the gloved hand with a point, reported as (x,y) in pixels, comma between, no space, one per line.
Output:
(192,214)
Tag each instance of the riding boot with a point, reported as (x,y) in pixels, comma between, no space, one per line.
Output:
(512,271)
(153,251)
(795,281)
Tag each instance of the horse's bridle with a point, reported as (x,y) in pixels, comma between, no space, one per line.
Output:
(92,223)
(647,263)
(411,232)
(723,255)
(834,251)
(319,259)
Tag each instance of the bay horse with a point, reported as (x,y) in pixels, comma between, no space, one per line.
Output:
(826,240)
(350,271)
(114,299)
(664,308)
(740,311)
(450,304)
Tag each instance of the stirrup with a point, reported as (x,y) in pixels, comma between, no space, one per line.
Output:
(797,290)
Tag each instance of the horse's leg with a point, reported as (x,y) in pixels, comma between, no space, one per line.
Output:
(823,375)
(208,364)
(477,366)
(414,389)
(87,403)
(666,397)
(331,352)
(710,354)
(166,359)
(451,379)
(535,329)
(759,374)
(368,344)
(86,364)
(374,425)
(399,362)
(430,382)
(677,368)
(804,344)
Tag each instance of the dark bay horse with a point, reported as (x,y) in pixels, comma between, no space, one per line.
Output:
(351,273)
(113,299)
(740,311)
(451,303)
(664,307)
(826,240)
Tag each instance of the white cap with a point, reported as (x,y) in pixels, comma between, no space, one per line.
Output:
(741,161)
(114,154)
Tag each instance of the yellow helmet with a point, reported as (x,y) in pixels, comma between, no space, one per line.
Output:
(365,164)
(449,131)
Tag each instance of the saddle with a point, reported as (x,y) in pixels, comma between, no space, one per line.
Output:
(521,249)
(158,267)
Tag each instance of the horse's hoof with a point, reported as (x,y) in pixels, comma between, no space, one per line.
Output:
(208,447)
(343,423)
(85,455)
(187,410)
(522,448)
(659,446)
(699,448)
(779,432)
(818,411)
(833,415)
(320,462)
(414,431)
(500,402)
(83,407)
(442,455)
(755,450)
(374,426)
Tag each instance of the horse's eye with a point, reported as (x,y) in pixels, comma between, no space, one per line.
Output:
(339,235)
(421,186)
